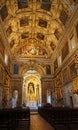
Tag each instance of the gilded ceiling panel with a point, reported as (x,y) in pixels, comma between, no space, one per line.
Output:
(42,20)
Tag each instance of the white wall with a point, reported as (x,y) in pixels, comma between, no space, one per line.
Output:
(67,93)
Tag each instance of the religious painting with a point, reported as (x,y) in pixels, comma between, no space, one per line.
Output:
(31,50)
(63,16)
(46,5)
(22,4)
(31,88)
(15,69)
(24,21)
(42,23)
(4,12)
(48,69)
(65,51)
(40,36)
(73,71)
(25,35)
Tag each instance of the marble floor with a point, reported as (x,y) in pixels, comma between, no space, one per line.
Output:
(38,123)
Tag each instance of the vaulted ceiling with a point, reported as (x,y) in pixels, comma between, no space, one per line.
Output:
(34,27)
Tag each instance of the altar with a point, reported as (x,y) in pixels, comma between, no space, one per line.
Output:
(32,104)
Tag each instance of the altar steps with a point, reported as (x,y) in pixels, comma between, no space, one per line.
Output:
(33,112)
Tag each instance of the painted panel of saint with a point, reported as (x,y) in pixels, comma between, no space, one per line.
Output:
(48,69)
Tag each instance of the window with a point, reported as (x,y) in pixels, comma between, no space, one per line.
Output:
(6,59)
(72,42)
(59,61)
(49,96)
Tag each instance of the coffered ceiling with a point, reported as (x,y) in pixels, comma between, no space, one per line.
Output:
(34,27)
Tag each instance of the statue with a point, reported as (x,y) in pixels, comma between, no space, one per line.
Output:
(31,88)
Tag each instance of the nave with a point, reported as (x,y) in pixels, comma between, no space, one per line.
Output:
(36,123)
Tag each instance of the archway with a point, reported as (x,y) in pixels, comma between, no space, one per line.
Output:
(31,91)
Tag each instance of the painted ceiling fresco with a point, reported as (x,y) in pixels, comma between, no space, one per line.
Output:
(31,50)
(42,20)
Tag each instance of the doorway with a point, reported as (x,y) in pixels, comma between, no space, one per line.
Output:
(71,101)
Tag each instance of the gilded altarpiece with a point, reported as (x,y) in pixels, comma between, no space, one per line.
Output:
(6,84)
(75,79)
(58,87)
(65,75)
(75,83)
(73,70)
(47,84)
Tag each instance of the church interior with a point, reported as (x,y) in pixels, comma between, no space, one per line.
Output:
(38,54)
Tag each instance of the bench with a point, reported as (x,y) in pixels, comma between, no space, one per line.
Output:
(58,116)
(11,118)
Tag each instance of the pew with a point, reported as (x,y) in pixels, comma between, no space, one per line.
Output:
(59,116)
(10,118)
(23,116)
(7,119)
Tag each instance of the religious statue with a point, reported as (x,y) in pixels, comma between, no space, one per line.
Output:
(30,88)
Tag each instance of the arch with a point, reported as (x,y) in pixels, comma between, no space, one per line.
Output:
(37,68)
(31,90)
